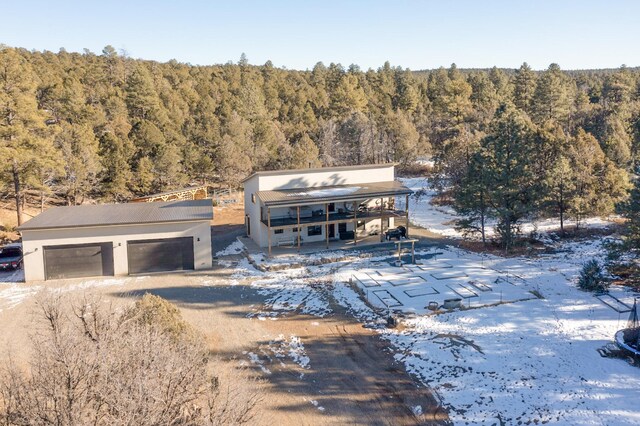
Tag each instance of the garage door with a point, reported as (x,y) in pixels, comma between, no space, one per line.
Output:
(169,254)
(79,260)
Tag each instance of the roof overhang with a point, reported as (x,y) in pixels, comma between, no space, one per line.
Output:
(331,194)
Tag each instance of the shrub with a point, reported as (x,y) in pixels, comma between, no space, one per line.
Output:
(92,364)
(155,312)
(592,277)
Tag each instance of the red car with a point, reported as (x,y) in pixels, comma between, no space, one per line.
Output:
(11,257)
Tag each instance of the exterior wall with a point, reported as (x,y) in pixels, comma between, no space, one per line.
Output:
(253,209)
(288,235)
(324,178)
(33,242)
(305,180)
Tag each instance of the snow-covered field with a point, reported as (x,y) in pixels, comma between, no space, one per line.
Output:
(530,362)
(447,275)
(533,361)
(441,219)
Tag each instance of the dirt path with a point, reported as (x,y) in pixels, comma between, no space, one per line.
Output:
(349,377)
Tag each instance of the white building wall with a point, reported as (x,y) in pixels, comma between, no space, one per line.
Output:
(304,179)
(252,208)
(33,242)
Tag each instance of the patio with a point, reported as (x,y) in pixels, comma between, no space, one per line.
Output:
(440,282)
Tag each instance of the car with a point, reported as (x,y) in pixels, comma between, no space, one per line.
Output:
(397,233)
(10,257)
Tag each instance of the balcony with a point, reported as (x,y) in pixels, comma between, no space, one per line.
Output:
(333,217)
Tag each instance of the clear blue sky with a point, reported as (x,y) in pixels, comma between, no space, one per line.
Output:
(297,34)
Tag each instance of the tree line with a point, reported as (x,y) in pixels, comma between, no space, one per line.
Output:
(105,126)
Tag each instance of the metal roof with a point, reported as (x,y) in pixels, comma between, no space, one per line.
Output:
(319,194)
(318,170)
(121,214)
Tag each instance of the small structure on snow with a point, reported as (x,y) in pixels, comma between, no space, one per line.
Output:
(628,339)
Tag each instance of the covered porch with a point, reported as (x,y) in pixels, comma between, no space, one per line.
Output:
(340,216)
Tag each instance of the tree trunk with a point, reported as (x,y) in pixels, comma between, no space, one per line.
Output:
(17,189)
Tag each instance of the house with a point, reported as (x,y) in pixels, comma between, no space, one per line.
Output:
(295,207)
(117,239)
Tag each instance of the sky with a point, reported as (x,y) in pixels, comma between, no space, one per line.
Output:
(414,34)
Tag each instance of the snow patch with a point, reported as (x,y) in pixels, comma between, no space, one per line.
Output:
(235,247)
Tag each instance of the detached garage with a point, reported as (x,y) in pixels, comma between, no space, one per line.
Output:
(117,239)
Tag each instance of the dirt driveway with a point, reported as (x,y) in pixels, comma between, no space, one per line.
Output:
(343,375)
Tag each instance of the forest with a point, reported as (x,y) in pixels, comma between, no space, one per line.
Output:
(507,144)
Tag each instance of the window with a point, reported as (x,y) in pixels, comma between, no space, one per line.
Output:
(253,198)
(278,231)
(314,230)
(294,230)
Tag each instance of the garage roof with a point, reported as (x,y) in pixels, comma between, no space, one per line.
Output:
(121,214)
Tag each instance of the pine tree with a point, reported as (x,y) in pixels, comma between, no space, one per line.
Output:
(144,176)
(304,153)
(631,211)
(507,153)
(524,88)
(472,197)
(25,144)
(142,97)
(560,186)
(599,183)
(79,148)
(552,99)
(116,171)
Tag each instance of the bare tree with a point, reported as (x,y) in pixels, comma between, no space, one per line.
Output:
(93,364)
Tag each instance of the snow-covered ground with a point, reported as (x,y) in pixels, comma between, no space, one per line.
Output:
(447,275)
(441,219)
(234,248)
(529,362)
(14,291)
(533,361)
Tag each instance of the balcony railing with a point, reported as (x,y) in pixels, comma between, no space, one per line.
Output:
(333,217)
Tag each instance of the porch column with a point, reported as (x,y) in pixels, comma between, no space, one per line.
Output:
(326,223)
(298,228)
(269,228)
(355,223)
(407,213)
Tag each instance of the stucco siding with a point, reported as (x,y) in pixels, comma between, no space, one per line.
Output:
(33,242)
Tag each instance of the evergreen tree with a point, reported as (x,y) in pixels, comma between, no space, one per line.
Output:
(472,197)
(116,171)
(25,144)
(631,211)
(305,154)
(524,88)
(507,152)
(79,148)
(552,97)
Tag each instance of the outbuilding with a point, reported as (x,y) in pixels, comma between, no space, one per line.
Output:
(117,239)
